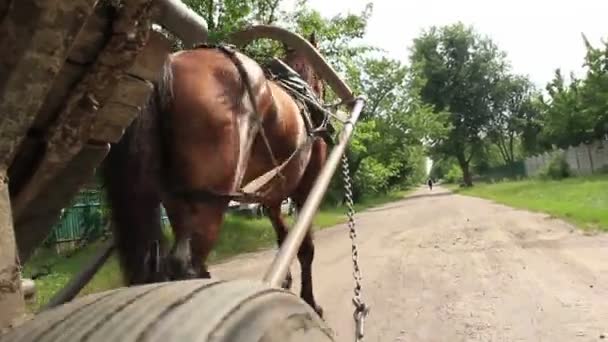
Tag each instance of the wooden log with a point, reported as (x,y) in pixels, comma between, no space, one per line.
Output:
(11,300)
(35,39)
(43,212)
(73,126)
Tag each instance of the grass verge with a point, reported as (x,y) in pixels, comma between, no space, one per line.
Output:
(582,200)
(239,235)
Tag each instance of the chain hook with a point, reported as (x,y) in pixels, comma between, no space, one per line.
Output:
(361,312)
(361,309)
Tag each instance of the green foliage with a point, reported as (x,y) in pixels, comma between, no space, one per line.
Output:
(454,174)
(557,168)
(441,167)
(514,115)
(576,111)
(456,70)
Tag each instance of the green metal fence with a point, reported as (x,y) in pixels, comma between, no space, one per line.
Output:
(86,219)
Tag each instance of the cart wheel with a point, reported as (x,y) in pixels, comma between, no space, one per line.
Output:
(192,310)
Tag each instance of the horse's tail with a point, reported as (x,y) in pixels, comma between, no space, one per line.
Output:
(132,175)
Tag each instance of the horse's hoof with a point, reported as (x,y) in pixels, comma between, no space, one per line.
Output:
(318,310)
(287,283)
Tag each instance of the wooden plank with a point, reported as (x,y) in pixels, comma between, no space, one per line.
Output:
(91,39)
(36,37)
(30,153)
(117,116)
(149,62)
(124,105)
(72,129)
(93,36)
(44,211)
(4,5)
(67,79)
(132,91)
(11,298)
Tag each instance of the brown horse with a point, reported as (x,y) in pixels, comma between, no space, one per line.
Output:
(196,143)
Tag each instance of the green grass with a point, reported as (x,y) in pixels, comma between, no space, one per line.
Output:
(62,268)
(582,201)
(238,235)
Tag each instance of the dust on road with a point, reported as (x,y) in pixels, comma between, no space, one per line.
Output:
(444,267)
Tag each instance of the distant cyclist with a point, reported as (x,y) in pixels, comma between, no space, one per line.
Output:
(430,184)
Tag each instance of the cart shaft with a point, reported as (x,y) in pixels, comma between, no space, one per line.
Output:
(288,250)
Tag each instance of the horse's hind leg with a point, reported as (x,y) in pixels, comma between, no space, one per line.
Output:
(206,223)
(274,214)
(307,249)
(196,227)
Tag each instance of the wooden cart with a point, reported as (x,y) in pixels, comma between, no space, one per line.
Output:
(73,75)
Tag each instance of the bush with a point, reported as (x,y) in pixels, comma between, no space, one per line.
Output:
(557,168)
(454,175)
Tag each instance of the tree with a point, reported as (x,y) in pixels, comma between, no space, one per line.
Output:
(457,72)
(564,122)
(514,111)
(594,93)
(576,112)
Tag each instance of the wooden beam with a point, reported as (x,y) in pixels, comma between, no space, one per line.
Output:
(4,5)
(72,129)
(11,299)
(36,37)
(149,62)
(44,211)
(93,36)
(132,91)
(117,116)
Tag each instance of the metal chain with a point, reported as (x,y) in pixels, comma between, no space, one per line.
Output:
(361,309)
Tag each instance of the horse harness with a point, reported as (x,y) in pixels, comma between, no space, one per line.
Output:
(315,117)
(313,113)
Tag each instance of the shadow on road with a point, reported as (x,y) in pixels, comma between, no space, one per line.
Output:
(409,198)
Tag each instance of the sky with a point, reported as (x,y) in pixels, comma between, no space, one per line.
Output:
(537,35)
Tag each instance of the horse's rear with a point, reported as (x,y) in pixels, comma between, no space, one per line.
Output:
(200,135)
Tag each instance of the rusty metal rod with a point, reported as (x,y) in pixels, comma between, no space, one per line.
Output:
(80,280)
(288,250)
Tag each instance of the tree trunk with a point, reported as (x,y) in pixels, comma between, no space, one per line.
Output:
(466,171)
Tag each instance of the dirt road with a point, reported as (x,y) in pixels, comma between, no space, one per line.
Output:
(445,267)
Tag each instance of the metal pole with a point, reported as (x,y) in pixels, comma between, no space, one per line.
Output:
(288,250)
(182,21)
